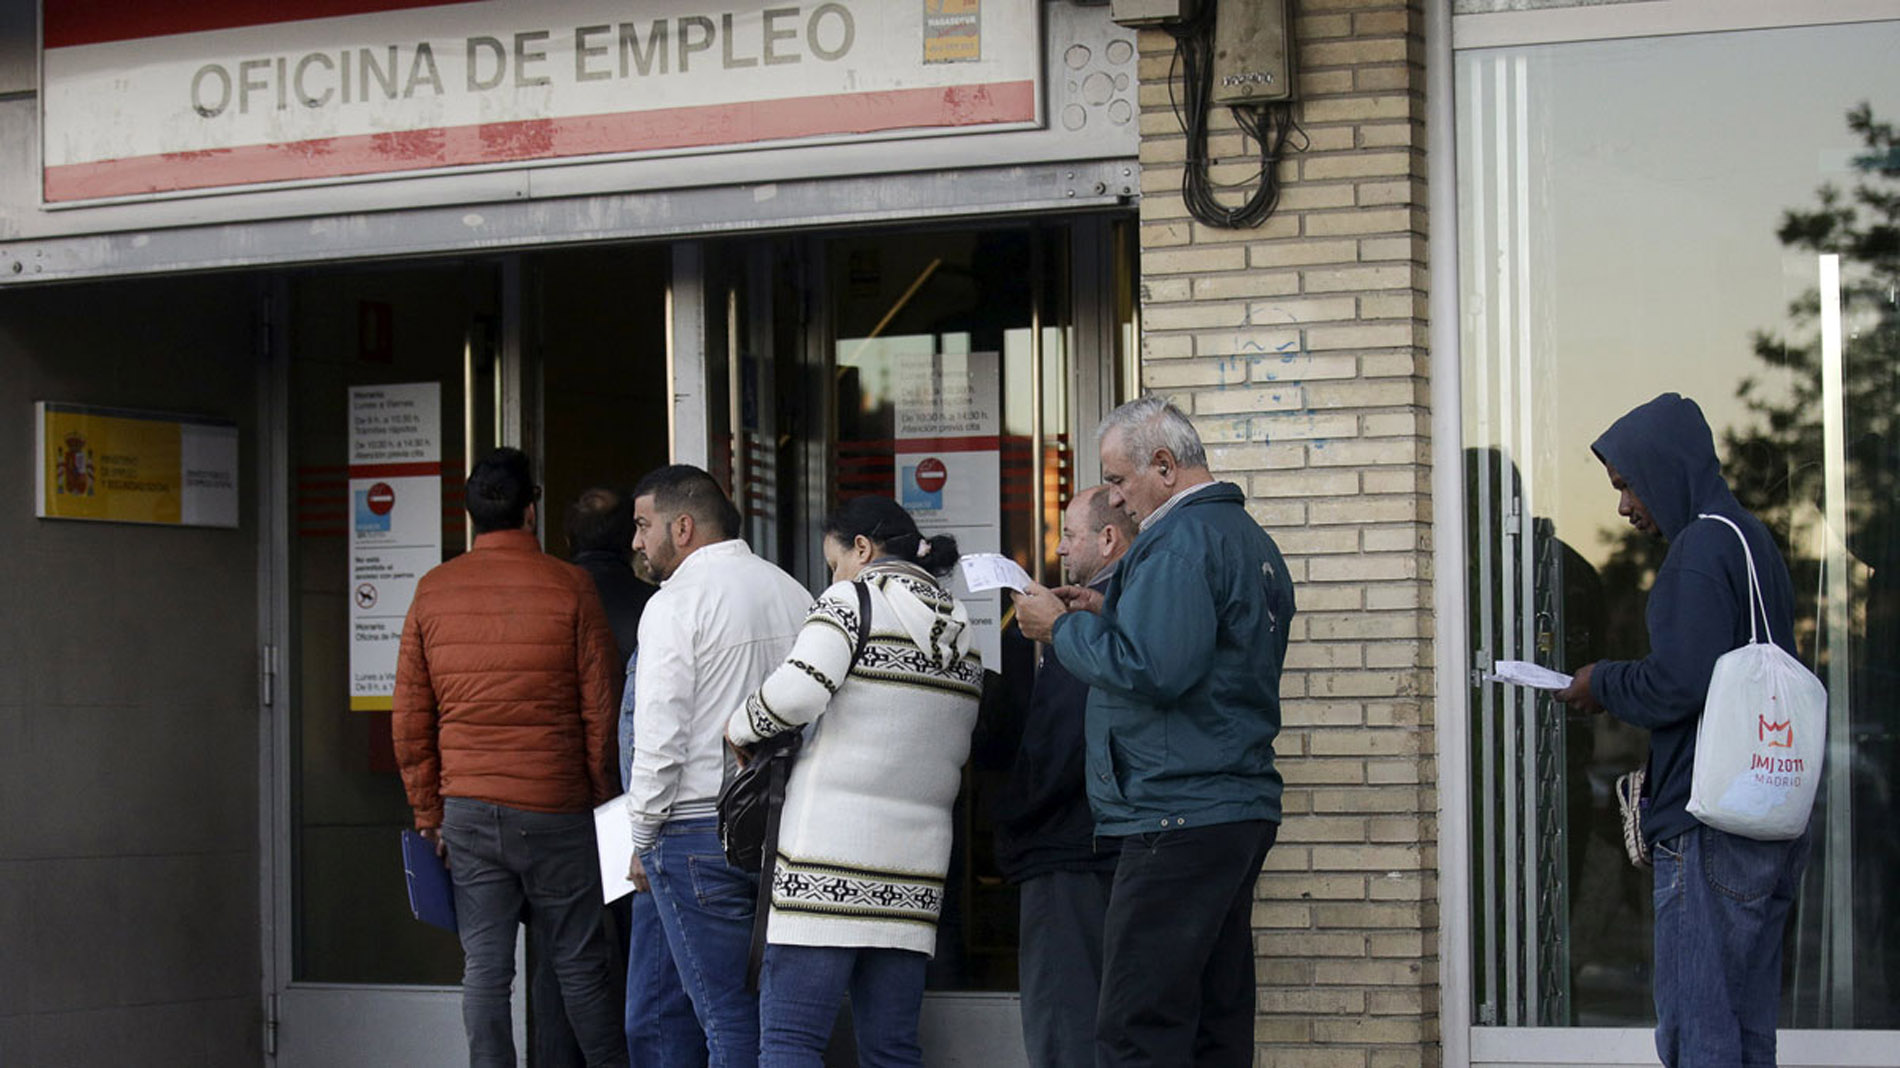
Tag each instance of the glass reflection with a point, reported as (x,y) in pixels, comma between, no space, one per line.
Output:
(1642,216)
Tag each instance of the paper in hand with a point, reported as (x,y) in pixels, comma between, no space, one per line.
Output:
(614,837)
(1525,673)
(992,571)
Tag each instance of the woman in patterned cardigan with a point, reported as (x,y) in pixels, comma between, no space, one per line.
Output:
(864,839)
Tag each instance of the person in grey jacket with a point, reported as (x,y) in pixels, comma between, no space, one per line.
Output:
(1183,658)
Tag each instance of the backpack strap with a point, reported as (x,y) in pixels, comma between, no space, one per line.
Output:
(777,775)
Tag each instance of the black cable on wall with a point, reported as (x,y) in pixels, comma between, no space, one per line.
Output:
(1268,124)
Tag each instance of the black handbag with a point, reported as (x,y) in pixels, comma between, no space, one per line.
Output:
(749,805)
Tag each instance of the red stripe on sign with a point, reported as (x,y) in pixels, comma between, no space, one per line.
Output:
(532,139)
(411,470)
(69,23)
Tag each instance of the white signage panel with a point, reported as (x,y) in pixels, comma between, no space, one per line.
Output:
(949,470)
(142,99)
(395,524)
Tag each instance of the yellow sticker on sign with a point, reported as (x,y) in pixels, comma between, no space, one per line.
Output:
(953,31)
(124,466)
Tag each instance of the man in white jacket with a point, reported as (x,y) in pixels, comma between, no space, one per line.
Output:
(722,620)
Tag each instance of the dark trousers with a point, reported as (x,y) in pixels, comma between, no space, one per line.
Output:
(550,1037)
(1177,953)
(1063,915)
(503,861)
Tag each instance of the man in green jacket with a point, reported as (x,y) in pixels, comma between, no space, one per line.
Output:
(1182,656)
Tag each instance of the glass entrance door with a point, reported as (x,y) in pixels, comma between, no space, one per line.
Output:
(563,354)
(1606,262)
(356,972)
(812,350)
(961,372)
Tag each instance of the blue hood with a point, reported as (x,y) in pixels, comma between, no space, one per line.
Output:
(1666,454)
(1698,606)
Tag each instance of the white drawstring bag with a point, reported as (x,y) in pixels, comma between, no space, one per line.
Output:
(1763,732)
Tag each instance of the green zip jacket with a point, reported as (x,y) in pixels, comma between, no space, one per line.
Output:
(1183,666)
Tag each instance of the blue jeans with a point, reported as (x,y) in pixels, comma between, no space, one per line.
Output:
(706,907)
(1063,916)
(801,987)
(501,860)
(662,1031)
(1721,903)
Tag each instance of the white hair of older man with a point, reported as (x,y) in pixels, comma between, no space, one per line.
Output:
(1149,424)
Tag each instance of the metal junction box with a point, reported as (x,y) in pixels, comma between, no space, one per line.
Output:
(1152,12)
(1253,52)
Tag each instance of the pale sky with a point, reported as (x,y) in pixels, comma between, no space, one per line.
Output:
(1654,173)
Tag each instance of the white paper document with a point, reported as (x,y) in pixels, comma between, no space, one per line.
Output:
(614,835)
(1525,673)
(993,571)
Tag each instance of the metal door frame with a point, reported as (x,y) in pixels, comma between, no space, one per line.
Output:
(1464,1042)
(326,1023)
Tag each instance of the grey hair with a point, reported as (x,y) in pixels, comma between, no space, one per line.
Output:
(1151,423)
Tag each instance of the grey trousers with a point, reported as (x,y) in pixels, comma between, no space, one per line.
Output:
(504,860)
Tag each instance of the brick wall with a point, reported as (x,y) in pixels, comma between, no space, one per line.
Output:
(1299,348)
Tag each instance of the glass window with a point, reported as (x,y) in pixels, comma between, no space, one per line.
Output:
(1714,215)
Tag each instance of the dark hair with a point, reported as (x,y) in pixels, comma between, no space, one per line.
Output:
(884,523)
(1103,514)
(682,489)
(499,490)
(601,519)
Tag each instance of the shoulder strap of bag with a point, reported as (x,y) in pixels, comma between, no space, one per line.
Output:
(768,867)
(864,620)
(775,804)
(1757,605)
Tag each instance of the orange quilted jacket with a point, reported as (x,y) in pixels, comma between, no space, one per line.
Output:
(506,683)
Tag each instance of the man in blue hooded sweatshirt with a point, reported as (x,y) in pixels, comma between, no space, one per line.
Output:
(1721,899)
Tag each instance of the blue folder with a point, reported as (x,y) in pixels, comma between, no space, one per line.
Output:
(430,897)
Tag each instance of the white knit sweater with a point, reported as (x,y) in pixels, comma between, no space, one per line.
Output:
(864,840)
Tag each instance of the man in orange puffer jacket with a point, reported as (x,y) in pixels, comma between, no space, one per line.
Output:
(504,728)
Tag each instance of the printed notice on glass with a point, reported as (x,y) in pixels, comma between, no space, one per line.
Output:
(949,470)
(395,524)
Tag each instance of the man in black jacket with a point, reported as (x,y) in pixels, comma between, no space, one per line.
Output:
(600,542)
(599,530)
(1045,836)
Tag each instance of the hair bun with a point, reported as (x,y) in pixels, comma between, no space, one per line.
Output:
(938,554)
